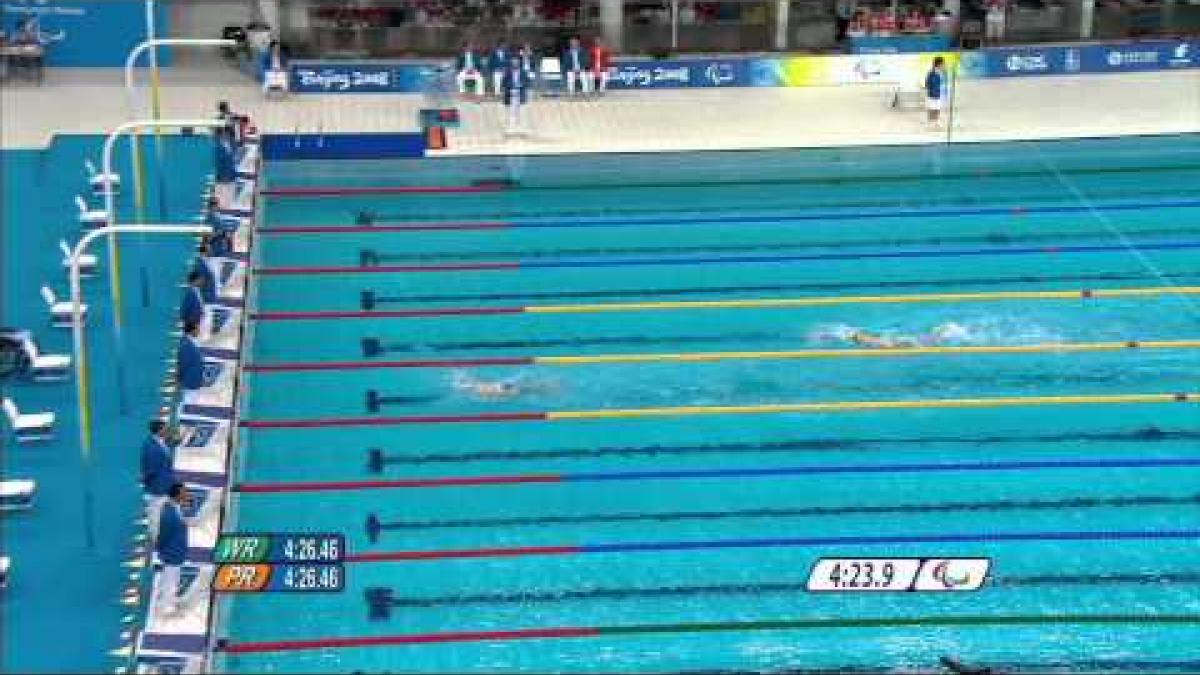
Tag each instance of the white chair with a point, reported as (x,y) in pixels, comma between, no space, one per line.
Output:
(87,261)
(550,71)
(31,427)
(60,312)
(90,218)
(98,180)
(275,82)
(46,367)
(17,495)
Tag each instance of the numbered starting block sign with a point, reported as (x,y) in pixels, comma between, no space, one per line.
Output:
(445,118)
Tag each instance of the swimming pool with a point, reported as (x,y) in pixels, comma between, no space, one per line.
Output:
(692,426)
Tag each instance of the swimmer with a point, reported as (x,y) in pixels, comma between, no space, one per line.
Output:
(864,338)
(495,390)
(945,333)
(948,333)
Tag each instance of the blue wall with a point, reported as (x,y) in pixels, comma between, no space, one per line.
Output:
(95,33)
(343,146)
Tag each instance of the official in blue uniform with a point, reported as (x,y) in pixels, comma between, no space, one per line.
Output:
(171,544)
(223,155)
(516,82)
(935,90)
(189,365)
(497,64)
(577,67)
(191,307)
(209,269)
(158,471)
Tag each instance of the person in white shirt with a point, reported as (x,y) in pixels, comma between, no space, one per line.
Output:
(469,68)
(997,11)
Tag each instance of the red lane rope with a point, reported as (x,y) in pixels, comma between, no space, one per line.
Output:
(517,551)
(359,269)
(426,638)
(300,366)
(389,314)
(332,190)
(403,227)
(388,421)
(270,488)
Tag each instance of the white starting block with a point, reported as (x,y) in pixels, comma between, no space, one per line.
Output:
(17,495)
(28,428)
(275,82)
(89,218)
(98,180)
(5,565)
(87,261)
(60,312)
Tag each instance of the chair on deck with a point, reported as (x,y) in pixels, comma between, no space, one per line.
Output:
(89,218)
(87,261)
(61,312)
(31,427)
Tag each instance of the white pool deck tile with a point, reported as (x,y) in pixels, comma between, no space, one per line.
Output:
(94,101)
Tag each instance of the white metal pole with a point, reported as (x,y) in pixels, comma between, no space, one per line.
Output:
(152,45)
(131,60)
(81,370)
(114,269)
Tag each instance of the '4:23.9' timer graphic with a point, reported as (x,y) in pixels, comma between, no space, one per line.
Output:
(898,574)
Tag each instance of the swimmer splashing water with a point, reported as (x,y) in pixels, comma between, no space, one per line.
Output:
(943,334)
(497,390)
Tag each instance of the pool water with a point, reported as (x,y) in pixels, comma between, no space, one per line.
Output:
(660,511)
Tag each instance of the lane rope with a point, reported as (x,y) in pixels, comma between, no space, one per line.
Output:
(1056,347)
(699,474)
(751,303)
(756,409)
(685,260)
(293,645)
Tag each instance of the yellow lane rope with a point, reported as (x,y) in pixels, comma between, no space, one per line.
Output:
(1053,347)
(862,300)
(846,406)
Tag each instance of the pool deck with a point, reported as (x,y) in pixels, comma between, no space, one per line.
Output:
(661,120)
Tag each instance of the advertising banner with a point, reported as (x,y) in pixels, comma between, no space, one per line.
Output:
(678,73)
(1098,58)
(1139,56)
(827,71)
(358,78)
(333,77)
(86,33)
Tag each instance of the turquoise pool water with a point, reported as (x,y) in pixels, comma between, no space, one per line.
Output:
(672,520)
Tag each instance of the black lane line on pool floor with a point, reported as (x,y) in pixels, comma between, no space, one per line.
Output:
(375,526)
(375,401)
(378,460)
(381,600)
(373,257)
(373,346)
(370,299)
(970,205)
